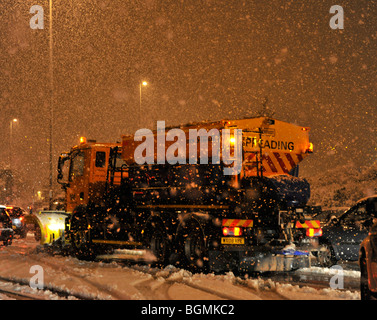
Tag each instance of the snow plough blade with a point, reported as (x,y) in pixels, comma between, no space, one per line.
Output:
(49,226)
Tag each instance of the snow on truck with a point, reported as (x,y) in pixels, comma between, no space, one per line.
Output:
(173,197)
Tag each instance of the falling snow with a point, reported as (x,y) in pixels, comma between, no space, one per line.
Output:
(205,60)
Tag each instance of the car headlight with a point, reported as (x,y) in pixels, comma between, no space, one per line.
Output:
(17,222)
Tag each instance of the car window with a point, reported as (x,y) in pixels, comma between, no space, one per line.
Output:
(359,213)
(357,217)
(348,217)
(4,219)
(372,208)
(14,212)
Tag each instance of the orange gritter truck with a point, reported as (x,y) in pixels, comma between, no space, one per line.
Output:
(181,206)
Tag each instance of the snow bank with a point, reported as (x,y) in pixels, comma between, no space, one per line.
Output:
(331,271)
(294,292)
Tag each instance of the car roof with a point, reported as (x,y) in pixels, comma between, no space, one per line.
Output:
(2,207)
(367,198)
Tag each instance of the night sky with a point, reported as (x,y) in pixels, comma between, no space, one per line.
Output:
(202,59)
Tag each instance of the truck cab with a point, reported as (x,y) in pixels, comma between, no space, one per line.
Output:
(83,172)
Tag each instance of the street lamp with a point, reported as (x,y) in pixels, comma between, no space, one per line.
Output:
(141,84)
(11,141)
(51,71)
(12,122)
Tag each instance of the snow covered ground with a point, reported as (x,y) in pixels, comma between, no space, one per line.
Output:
(69,278)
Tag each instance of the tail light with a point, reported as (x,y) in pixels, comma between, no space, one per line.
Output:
(310,232)
(232,231)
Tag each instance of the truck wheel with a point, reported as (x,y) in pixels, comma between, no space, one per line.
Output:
(326,255)
(80,238)
(158,243)
(7,242)
(37,233)
(194,249)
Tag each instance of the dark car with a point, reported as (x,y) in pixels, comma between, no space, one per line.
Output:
(18,220)
(6,231)
(342,236)
(368,265)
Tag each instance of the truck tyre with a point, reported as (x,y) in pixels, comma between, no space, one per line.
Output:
(37,232)
(7,242)
(80,236)
(194,252)
(157,242)
(326,255)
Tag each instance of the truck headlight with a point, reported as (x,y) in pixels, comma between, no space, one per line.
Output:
(55,227)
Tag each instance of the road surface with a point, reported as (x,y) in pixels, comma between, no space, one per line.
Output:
(23,268)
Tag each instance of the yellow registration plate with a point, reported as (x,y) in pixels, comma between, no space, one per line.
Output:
(232,240)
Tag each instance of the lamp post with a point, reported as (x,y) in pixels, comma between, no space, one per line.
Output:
(51,116)
(141,84)
(12,122)
(11,142)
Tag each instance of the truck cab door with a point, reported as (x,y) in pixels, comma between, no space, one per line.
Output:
(100,163)
(98,173)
